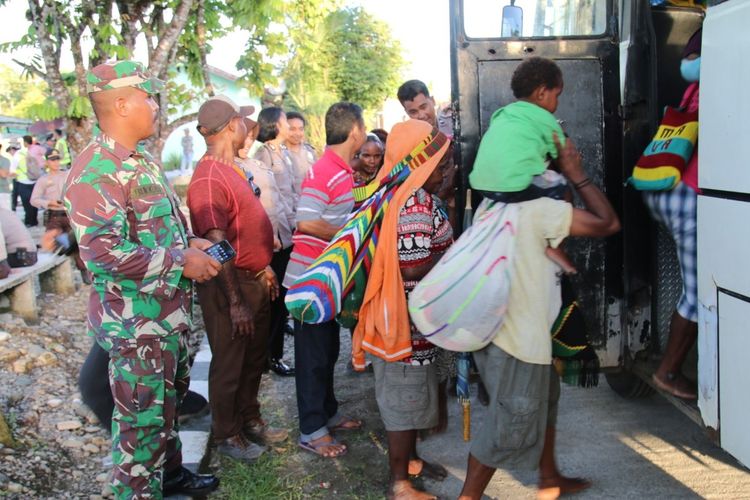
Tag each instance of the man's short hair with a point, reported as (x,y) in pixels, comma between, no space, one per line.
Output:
(411,89)
(296,114)
(58,132)
(268,120)
(341,118)
(533,73)
(28,140)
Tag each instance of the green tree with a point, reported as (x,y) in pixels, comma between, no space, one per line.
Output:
(339,54)
(177,35)
(20,95)
(365,61)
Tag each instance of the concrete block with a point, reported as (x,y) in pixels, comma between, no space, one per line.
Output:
(23,300)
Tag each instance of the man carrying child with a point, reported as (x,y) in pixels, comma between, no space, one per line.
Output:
(516,367)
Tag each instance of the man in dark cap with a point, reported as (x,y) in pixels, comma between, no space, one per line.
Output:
(224,205)
(134,240)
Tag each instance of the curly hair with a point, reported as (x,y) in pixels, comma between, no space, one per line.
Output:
(533,73)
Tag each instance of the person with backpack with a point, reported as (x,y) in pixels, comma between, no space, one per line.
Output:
(30,168)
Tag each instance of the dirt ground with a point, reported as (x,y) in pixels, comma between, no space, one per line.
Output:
(628,448)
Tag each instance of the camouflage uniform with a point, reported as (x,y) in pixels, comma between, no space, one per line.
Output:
(131,236)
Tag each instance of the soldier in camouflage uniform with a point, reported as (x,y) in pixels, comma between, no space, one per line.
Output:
(134,240)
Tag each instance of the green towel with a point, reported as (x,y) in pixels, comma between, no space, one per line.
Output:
(515,147)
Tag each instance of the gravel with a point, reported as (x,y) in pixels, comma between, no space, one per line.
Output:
(54,456)
(60,447)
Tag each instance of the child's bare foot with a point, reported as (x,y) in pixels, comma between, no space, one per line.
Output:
(555,487)
(403,490)
(558,256)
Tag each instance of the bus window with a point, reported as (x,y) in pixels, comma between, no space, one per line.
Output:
(537,18)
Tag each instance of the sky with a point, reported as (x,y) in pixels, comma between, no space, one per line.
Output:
(420,25)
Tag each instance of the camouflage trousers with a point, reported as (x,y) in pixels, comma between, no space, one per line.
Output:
(148,377)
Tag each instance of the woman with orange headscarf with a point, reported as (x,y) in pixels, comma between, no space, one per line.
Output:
(415,232)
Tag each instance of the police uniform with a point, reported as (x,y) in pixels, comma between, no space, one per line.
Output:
(132,236)
(277,157)
(304,159)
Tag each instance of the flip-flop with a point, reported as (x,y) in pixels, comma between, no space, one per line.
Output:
(317,448)
(435,472)
(675,391)
(342,425)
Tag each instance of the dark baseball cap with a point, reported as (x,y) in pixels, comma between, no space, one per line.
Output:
(218,111)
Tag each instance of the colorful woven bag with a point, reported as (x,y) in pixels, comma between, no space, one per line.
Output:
(662,163)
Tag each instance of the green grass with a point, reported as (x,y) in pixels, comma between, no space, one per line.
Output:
(268,478)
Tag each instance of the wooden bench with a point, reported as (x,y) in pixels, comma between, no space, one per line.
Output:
(55,275)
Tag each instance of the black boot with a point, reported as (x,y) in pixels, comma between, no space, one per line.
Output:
(280,368)
(184,482)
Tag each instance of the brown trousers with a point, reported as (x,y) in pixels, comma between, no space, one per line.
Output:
(237,364)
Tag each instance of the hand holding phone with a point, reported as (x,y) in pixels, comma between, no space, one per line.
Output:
(221,251)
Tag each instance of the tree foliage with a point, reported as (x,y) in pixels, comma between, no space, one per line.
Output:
(340,54)
(20,95)
(365,60)
(322,52)
(177,35)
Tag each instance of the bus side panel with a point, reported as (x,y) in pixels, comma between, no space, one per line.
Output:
(723,234)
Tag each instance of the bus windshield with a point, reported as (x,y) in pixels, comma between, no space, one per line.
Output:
(534,18)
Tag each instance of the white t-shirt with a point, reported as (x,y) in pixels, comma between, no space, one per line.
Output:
(534,300)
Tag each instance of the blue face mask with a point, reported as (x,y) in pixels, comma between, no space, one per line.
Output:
(691,70)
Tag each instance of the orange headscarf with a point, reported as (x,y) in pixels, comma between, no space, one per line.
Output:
(383,328)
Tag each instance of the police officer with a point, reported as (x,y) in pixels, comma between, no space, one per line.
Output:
(273,130)
(134,239)
(302,153)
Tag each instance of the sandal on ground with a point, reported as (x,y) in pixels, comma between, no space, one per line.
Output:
(319,446)
(403,490)
(346,424)
(553,488)
(422,468)
(676,385)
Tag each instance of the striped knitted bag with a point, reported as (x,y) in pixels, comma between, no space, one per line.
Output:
(317,295)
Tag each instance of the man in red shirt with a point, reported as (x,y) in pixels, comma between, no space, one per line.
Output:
(224,205)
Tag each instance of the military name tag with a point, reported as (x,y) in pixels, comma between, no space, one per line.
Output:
(147,190)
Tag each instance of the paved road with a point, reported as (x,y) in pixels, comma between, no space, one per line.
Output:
(628,448)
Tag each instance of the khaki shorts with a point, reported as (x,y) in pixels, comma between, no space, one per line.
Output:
(523,403)
(407,395)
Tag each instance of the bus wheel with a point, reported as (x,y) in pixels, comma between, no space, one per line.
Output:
(628,385)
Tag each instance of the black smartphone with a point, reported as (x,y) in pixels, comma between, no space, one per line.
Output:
(221,251)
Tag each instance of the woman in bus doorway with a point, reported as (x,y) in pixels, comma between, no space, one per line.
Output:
(676,209)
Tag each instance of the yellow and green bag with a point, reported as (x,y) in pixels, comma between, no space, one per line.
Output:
(662,163)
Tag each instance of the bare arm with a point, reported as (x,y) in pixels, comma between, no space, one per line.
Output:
(239,309)
(416,273)
(599,218)
(318,228)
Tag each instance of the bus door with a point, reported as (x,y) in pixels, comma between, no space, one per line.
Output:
(489,39)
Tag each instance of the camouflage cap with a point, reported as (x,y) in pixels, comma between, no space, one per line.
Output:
(119,74)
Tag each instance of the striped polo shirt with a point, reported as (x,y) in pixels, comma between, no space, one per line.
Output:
(326,194)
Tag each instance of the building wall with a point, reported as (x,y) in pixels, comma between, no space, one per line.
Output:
(222,85)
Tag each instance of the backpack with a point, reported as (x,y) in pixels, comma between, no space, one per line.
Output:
(34,170)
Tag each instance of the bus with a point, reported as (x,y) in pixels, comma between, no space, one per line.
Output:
(621,61)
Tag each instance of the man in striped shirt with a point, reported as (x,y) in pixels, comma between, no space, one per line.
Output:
(324,206)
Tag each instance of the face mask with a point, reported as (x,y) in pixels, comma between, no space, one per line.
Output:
(691,70)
